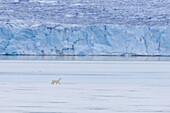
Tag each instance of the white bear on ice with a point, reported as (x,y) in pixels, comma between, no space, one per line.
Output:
(56,81)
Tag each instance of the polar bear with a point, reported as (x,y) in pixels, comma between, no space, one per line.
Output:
(56,81)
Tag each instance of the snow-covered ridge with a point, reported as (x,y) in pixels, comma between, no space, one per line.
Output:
(92,40)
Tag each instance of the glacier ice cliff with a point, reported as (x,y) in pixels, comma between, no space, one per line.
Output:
(85,27)
(91,40)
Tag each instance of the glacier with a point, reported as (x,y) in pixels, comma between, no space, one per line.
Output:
(84,27)
(92,40)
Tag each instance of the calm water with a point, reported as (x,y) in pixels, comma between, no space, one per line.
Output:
(87,58)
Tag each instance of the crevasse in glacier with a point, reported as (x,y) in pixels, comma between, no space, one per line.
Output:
(91,40)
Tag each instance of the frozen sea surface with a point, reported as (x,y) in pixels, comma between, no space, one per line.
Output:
(86,86)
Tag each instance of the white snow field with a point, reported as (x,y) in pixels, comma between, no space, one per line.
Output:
(86,86)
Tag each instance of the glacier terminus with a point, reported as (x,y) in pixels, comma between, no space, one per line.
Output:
(84,27)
